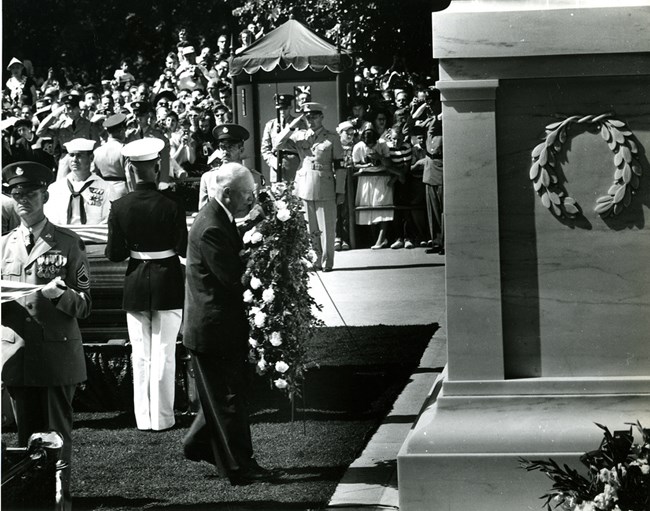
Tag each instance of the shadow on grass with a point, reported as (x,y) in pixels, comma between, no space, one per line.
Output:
(356,375)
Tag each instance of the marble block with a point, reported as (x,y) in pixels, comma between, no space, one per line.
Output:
(548,315)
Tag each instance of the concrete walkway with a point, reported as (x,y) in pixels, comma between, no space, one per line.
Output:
(390,287)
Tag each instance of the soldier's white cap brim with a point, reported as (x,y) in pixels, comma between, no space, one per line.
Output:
(145,149)
(79,145)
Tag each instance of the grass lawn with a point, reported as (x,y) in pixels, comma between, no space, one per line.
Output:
(360,372)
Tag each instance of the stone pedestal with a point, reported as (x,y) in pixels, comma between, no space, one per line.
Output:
(548,312)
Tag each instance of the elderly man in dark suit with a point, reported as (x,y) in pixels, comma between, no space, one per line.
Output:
(216,330)
(148,226)
(42,353)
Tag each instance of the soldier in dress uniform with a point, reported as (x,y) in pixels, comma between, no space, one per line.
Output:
(146,129)
(148,227)
(81,197)
(289,160)
(317,181)
(230,148)
(108,160)
(42,352)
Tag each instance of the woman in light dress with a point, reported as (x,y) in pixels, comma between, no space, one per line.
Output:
(371,155)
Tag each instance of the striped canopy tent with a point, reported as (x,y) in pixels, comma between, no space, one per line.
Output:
(290,45)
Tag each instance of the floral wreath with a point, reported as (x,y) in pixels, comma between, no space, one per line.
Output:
(279,256)
(543,171)
(618,475)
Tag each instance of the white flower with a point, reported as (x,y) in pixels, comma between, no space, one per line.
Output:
(252,342)
(278,187)
(276,339)
(256,237)
(311,255)
(283,215)
(280,204)
(308,264)
(255,283)
(246,238)
(248,296)
(281,366)
(268,295)
(254,311)
(281,383)
(260,319)
(261,365)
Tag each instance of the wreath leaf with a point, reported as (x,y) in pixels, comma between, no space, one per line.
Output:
(604,132)
(627,170)
(603,208)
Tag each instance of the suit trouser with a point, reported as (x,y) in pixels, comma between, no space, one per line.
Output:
(153,337)
(321,221)
(220,433)
(40,409)
(434,197)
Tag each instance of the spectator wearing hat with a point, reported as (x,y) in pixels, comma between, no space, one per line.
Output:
(108,161)
(190,74)
(289,160)
(164,98)
(81,197)
(230,140)
(222,114)
(20,87)
(146,129)
(42,351)
(148,227)
(64,124)
(318,182)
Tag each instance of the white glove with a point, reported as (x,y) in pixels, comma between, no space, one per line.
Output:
(163,185)
(54,289)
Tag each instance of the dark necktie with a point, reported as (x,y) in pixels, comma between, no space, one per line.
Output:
(73,196)
(29,242)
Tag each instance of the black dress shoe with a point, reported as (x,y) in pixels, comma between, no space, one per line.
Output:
(253,474)
(194,453)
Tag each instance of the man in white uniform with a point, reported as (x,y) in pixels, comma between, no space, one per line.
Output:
(81,198)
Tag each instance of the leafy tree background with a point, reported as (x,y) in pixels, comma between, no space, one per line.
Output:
(90,37)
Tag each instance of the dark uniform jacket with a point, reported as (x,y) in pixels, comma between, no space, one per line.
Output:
(41,341)
(147,220)
(215,318)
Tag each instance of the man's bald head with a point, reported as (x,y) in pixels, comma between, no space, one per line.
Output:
(235,188)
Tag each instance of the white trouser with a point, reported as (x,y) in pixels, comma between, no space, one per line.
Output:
(153,346)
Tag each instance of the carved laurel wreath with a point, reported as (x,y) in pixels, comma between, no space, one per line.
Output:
(626,176)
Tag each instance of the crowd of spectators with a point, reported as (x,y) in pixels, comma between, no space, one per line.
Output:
(390,112)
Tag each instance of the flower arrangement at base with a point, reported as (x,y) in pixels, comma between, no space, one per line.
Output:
(280,309)
(618,475)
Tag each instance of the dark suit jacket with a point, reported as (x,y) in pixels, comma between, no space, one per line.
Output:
(215,319)
(147,220)
(432,174)
(41,341)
